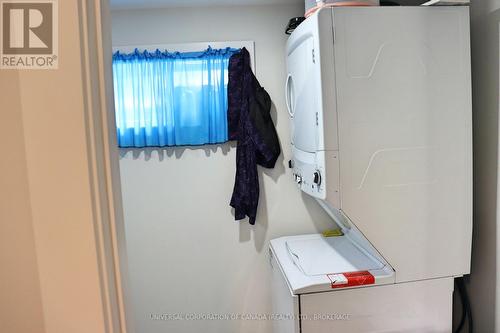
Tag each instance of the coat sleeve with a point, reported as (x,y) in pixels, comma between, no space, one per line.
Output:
(265,136)
(235,92)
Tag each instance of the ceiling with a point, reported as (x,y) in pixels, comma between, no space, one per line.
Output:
(140,4)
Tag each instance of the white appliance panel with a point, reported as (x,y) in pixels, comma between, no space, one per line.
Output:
(415,307)
(285,304)
(404,105)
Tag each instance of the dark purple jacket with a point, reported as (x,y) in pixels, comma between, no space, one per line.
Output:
(250,123)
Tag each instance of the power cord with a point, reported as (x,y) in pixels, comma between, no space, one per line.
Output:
(466,307)
(293,24)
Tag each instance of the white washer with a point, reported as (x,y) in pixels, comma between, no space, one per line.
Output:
(381,130)
(303,274)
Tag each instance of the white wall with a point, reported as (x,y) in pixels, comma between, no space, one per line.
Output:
(484,287)
(186,252)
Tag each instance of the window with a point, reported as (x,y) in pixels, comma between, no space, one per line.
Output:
(171,99)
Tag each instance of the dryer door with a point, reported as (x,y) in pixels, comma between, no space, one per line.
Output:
(303,94)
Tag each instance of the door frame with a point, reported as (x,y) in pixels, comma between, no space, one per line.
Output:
(96,47)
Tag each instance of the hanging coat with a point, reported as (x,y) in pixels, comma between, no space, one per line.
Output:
(250,123)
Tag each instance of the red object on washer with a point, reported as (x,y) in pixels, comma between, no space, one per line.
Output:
(351,279)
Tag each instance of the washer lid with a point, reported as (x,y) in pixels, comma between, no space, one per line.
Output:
(325,255)
(313,263)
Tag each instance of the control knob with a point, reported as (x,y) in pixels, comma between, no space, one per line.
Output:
(317,178)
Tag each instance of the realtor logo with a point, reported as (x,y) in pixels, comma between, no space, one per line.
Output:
(28,34)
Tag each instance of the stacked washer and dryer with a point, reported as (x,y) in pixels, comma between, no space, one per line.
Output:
(380,106)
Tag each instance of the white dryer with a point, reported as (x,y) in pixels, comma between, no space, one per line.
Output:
(380,106)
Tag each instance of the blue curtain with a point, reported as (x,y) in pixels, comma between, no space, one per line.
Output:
(171,99)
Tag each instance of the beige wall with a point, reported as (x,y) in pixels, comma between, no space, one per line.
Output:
(187,254)
(20,297)
(51,280)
